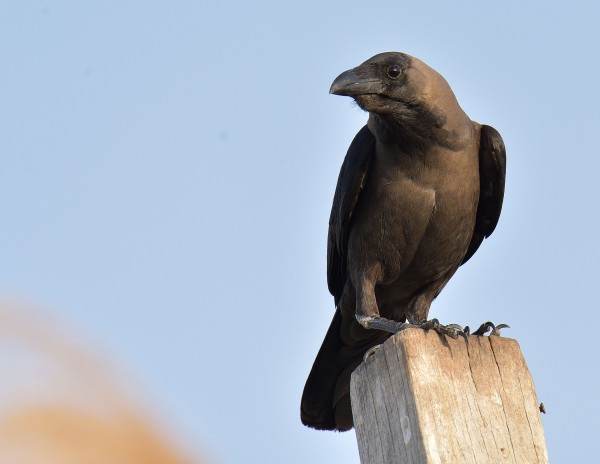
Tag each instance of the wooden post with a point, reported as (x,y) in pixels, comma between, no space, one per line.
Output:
(423,398)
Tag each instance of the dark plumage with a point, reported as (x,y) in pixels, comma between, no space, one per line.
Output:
(420,188)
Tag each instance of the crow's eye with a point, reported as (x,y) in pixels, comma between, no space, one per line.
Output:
(394,71)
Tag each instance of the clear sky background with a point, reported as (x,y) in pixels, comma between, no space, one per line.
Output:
(168,170)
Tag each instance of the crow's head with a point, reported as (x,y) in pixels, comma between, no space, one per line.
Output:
(401,90)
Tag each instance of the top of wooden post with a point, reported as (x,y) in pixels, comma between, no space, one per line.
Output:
(427,398)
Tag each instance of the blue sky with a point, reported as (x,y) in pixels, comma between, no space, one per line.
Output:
(168,170)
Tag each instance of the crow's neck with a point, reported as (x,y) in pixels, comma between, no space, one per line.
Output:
(417,129)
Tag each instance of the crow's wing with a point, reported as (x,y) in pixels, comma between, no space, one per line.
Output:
(350,184)
(492,172)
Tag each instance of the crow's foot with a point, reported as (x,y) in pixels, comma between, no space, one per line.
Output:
(452,330)
(381,323)
(485,328)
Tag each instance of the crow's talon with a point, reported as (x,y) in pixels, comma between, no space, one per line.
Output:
(487,326)
(370,352)
(381,323)
(484,328)
(455,327)
(452,334)
(496,330)
(431,324)
(451,330)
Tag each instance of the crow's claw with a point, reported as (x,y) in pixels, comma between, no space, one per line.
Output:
(388,325)
(455,327)
(487,326)
(452,330)
(370,352)
(381,323)
(484,328)
(496,330)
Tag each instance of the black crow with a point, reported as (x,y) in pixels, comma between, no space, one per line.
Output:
(420,188)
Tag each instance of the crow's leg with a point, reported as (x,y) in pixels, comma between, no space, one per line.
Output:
(367,311)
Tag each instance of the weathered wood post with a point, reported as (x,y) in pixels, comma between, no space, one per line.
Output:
(423,398)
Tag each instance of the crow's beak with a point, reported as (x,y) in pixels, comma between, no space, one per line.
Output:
(350,84)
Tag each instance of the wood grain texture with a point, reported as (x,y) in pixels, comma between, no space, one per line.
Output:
(426,398)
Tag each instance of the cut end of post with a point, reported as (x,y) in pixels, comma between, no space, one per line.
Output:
(427,398)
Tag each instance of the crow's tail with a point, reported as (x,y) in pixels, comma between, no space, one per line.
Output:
(326,398)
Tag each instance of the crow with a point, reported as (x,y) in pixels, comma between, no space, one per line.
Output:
(420,187)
